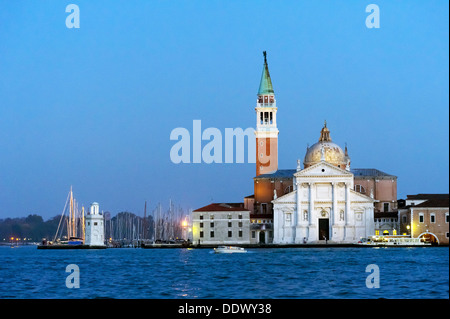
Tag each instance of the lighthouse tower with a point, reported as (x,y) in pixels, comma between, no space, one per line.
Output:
(266,125)
(95,234)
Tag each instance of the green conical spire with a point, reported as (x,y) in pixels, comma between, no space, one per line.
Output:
(265,87)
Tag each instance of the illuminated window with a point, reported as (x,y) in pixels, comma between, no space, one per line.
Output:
(386,232)
(394,232)
(377,232)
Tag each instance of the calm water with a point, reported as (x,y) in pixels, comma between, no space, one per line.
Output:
(27,272)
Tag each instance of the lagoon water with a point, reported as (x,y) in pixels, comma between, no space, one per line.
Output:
(313,273)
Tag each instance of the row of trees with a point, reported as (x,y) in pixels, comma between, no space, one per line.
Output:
(124,225)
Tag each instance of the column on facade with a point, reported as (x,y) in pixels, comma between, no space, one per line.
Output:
(334,212)
(311,202)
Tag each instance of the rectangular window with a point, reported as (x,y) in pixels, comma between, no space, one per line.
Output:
(229,224)
(264,208)
(240,224)
(212,224)
(386,207)
(229,216)
(95,223)
(240,216)
(201,234)
(201,216)
(240,233)
(212,234)
(253,234)
(230,233)
(377,232)
(404,219)
(446,218)
(89,223)
(432,218)
(212,217)
(201,225)
(421,218)
(446,234)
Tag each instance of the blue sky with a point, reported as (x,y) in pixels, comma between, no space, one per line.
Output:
(94,107)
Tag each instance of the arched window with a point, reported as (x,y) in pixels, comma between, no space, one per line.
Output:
(288,189)
(359,189)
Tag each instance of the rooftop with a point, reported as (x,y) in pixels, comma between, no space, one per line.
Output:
(281,173)
(435,202)
(222,207)
(369,172)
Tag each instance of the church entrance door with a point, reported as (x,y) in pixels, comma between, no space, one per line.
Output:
(324,229)
(262,237)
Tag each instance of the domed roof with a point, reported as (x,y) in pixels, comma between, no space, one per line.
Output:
(325,150)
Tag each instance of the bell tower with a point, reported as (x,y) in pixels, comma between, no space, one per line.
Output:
(266,125)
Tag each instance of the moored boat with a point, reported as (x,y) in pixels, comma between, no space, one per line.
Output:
(394,241)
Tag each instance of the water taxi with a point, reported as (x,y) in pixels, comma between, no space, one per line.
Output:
(229,250)
(394,241)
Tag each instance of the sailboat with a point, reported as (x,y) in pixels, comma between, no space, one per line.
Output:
(74,223)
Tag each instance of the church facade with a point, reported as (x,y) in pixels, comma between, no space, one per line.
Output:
(323,205)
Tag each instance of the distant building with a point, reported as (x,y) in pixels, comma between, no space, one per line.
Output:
(95,231)
(386,223)
(221,224)
(378,185)
(425,215)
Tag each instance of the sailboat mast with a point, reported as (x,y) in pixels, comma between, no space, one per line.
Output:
(70,229)
(83,228)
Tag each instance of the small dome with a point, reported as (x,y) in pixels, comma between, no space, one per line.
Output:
(327,150)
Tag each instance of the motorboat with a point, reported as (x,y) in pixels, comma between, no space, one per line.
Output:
(394,241)
(229,250)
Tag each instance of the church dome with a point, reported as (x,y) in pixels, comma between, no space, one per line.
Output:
(326,150)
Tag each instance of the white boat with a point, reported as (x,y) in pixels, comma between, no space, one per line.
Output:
(229,250)
(395,241)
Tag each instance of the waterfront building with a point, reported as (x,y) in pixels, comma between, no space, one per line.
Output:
(333,201)
(386,223)
(221,224)
(323,204)
(95,232)
(425,215)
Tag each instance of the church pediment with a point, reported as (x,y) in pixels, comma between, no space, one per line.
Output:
(288,198)
(323,169)
(358,197)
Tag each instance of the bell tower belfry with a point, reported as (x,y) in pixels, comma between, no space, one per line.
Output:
(266,125)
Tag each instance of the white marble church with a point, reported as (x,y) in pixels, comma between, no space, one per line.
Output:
(323,205)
